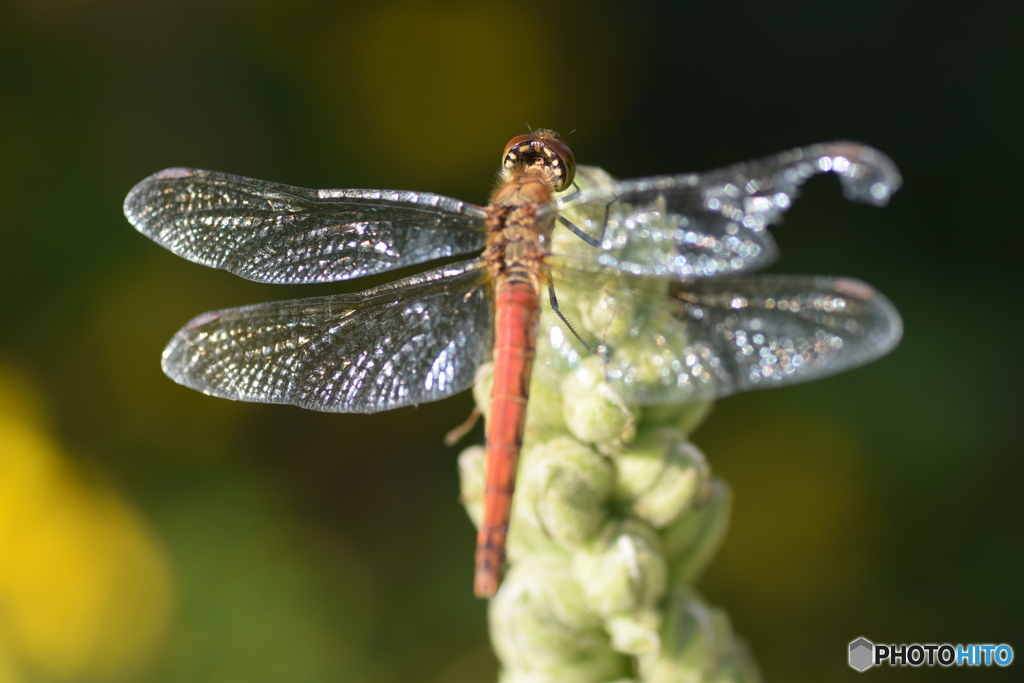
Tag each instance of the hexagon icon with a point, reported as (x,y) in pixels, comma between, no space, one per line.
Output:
(862,654)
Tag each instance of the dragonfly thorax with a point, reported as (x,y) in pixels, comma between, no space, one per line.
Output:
(520,229)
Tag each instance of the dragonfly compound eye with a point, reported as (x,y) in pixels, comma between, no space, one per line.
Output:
(541,149)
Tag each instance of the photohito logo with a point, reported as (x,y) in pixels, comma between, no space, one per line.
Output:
(864,654)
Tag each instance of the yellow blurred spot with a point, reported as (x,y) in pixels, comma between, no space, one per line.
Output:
(444,85)
(84,585)
(8,671)
(429,73)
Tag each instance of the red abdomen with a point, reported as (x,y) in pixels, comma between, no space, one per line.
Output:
(515,334)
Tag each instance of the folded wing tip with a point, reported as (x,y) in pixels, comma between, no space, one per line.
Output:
(855,288)
(889,332)
(175,172)
(889,337)
(867,175)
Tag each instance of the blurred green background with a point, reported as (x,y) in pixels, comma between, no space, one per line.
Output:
(148,532)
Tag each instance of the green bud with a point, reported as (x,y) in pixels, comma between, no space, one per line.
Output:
(540,623)
(527,537)
(594,412)
(607,314)
(544,417)
(696,641)
(649,368)
(563,488)
(635,634)
(660,476)
(624,571)
(692,540)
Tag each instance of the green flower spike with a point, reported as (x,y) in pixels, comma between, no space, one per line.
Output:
(615,513)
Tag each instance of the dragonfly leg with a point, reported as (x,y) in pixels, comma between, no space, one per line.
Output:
(561,316)
(604,223)
(455,435)
(592,241)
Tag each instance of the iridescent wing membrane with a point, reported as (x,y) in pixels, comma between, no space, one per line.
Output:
(269,232)
(715,223)
(673,341)
(697,330)
(675,240)
(413,341)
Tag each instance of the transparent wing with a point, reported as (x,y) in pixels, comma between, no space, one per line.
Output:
(412,341)
(667,342)
(276,233)
(707,224)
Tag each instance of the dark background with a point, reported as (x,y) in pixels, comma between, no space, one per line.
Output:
(882,503)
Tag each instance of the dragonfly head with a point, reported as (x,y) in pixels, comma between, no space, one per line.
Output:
(541,155)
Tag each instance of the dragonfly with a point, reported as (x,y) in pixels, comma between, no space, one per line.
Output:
(690,241)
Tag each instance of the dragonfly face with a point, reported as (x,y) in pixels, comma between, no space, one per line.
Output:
(542,151)
(655,269)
